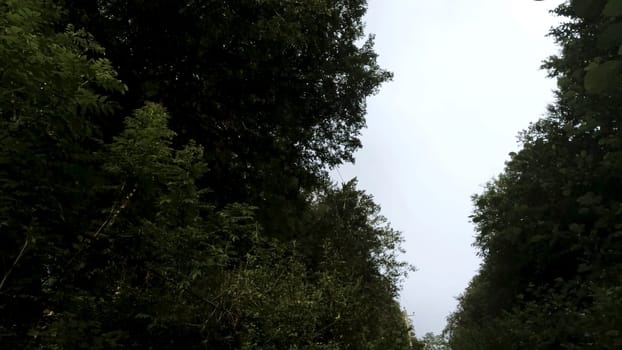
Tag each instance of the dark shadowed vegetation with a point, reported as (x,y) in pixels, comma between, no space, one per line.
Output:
(163,178)
(549,228)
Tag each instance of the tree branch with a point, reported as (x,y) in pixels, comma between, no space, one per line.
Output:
(19,256)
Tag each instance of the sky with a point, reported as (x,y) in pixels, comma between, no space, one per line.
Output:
(467,80)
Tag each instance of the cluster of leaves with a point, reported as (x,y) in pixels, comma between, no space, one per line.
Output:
(431,341)
(549,227)
(206,224)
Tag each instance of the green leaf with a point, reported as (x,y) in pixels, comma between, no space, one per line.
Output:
(537,238)
(602,77)
(589,199)
(613,8)
(584,268)
(587,8)
(576,228)
(611,36)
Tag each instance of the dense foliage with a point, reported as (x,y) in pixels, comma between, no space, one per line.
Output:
(163,178)
(274,89)
(549,229)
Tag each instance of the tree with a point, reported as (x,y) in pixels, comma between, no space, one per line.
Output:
(548,226)
(349,240)
(119,230)
(51,96)
(274,90)
(147,277)
(431,341)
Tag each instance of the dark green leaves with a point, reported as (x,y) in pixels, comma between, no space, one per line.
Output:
(587,9)
(276,88)
(547,228)
(611,37)
(600,78)
(138,236)
(613,8)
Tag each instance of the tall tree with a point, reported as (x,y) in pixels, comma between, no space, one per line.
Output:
(347,238)
(274,90)
(548,227)
(110,233)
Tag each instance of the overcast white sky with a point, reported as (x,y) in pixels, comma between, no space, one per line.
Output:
(467,80)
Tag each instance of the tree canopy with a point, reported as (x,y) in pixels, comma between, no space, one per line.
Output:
(163,178)
(548,228)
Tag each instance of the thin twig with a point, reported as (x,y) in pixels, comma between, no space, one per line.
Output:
(19,256)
